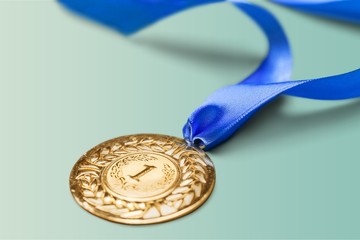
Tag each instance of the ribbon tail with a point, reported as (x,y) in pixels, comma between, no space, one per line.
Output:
(346,10)
(343,86)
(130,16)
(225,111)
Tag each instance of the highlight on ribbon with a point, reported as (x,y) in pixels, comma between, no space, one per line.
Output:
(228,108)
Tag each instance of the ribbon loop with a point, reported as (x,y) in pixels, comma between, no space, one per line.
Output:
(228,108)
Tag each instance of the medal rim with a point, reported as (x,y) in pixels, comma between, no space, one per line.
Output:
(173,216)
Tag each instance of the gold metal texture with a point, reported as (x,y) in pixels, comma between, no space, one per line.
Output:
(142,179)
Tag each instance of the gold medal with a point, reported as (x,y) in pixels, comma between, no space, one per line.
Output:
(142,179)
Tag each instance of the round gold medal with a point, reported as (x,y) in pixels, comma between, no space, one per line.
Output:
(142,179)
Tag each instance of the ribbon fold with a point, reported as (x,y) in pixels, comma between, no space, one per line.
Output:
(228,108)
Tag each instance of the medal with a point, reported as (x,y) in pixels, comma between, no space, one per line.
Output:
(142,179)
(149,178)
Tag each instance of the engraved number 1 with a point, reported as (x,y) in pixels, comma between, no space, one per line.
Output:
(147,169)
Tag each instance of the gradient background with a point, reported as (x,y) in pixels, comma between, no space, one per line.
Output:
(68,84)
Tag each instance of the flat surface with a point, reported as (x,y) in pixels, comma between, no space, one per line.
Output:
(68,84)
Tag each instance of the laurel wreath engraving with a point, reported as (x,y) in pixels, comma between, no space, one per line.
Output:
(193,177)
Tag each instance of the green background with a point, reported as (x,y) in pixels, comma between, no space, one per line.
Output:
(68,84)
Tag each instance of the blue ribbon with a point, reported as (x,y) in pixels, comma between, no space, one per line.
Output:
(346,10)
(130,16)
(228,108)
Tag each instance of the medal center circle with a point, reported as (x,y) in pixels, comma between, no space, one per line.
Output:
(141,176)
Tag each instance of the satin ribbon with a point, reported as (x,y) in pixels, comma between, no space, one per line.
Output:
(346,10)
(228,108)
(129,16)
